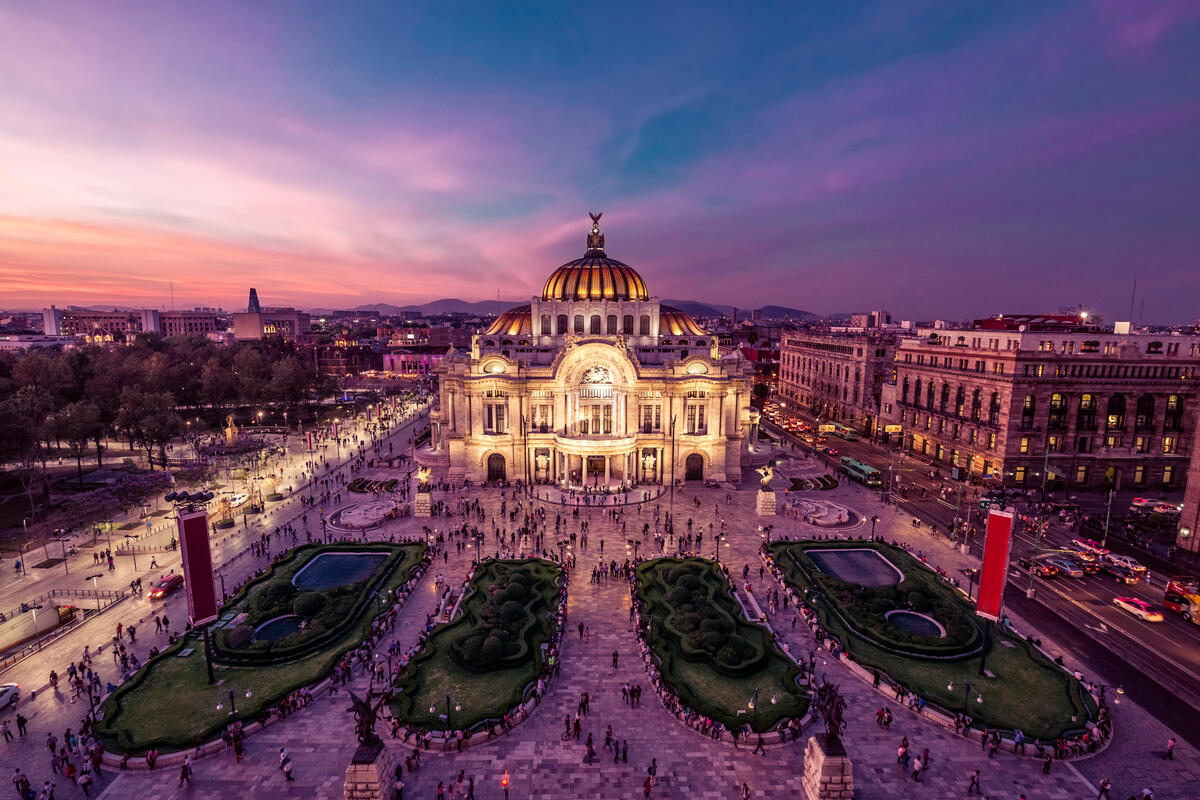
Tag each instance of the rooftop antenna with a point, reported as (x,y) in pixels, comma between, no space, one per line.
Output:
(172,295)
(1132,296)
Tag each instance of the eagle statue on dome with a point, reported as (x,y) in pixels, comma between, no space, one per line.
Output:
(595,238)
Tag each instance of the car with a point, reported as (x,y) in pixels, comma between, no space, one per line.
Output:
(1066,566)
(1139,608)
(165,586)
(9,694)
(1121,573)
(1079,554)
(1091,545)
(829,451)
(1044,570)
(1128,563)
(237,500)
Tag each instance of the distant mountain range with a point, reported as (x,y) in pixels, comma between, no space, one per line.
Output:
(486,307)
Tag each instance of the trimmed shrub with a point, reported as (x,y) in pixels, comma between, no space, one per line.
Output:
(309,604)
(240,637)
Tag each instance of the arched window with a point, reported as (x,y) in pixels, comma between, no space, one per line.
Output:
(960,402)
(976,404)
(994,409)
(545,331)
(579,323)
(611,324)
(1173,418)
(1058,413)
(945,399)
(1145,413)
(644,325)
(904,390)
(929,396)
(1028,410)
(1086,418)
(917,393)
(1114,420)
(594,328)
(627,324)
(562,325)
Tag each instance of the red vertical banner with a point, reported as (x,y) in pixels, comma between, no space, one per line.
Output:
(197,567)
(308,439)
(996,546)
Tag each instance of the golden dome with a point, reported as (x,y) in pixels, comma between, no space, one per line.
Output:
(673,322)
(595,276)
(514,322)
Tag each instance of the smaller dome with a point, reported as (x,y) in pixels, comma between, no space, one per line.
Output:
(673,322)
(514,322)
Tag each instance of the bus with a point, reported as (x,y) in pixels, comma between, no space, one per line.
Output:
(841,431)
(864,474)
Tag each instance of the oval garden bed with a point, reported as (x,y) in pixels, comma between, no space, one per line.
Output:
(491,655)
(709,656)
(170,705)
(875,621)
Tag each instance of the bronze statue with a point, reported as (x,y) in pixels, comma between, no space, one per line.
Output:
(831,707)
(767,471)
(365,713)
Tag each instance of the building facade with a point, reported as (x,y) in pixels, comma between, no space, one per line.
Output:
(285,322)
(105,326)
(837,376)
(594,383)
(1073,408)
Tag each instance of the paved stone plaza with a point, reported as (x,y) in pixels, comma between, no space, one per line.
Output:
(541,765)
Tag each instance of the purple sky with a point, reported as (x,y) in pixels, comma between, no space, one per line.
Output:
(939,159)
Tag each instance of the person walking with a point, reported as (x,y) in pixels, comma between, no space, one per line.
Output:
(1168,756)
(615,655)
(1105,786)
(185,772)
(917,766)
(285,764)
(1046,763)
(973,786)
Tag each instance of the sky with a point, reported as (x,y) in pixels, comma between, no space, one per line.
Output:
(938,159)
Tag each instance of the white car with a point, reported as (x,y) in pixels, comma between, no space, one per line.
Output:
(1128,563)
(1139,608)
(237,500)
(9,694)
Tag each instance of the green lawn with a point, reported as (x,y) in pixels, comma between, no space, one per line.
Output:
(170,704)
(723,695)
(1029,692)
(436,671)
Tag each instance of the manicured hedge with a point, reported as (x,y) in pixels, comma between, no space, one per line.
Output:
(865,607)
(327,614)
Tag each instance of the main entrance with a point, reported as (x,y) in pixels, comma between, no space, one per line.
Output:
(495,464)
(694,467)
(595,467)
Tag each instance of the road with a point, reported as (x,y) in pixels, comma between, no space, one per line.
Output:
(1167,653)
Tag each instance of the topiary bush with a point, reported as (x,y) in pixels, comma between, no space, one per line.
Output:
(240,637)
(309,604)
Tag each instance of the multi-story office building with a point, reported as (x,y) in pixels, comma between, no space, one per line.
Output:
(1062,405)
(101,326)
(285,322)
(837,376)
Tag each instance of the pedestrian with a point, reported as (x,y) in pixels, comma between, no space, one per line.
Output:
(973,786)
(1105,785)
(614,659)
(745,791)
(23,723)
(1169,756)
(185,772)
(917,769)
(1046,763)
(4,731)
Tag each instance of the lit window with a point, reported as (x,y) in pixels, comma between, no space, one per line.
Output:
(1024,444)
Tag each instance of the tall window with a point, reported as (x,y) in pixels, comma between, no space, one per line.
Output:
(579,323)
(1058,412)
(1086,418)
(494,420)
(917,393)
(1028,410)
(644,325)
(627,324)
(611,324)
(694,420)
(545,325)
(960,401)
(1173,418)
(1115,418)
(945,398)
(928,395)
(595,325)
(976,404)
(1144,420)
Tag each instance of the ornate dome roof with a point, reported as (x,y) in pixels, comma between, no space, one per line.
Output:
(673,322)
(514,322)
(595,276)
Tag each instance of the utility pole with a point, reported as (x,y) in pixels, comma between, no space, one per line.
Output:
(1107,518)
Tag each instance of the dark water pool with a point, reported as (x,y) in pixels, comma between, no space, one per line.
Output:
(913,622)
(863,566)
(275,629)
(337,569)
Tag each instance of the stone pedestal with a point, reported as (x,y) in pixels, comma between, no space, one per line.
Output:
(828,774)
(371,774)
(422,504)
(766,504)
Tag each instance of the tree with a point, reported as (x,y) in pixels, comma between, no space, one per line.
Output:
(77,424)
(252,373)
(289,382)
(19,444)
(218,384)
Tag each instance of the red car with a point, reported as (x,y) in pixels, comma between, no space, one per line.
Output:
(165,586)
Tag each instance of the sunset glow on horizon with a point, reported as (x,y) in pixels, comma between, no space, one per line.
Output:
(339,155)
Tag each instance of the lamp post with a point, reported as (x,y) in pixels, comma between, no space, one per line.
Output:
(673,417)
(36,633)
(753,706)
(132,551)
(967,687)
(874,519)
(433,710)
(1107,518)
(232,705)
(93,579)
(26,544)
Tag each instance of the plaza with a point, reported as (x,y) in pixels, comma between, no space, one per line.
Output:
(319,736)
